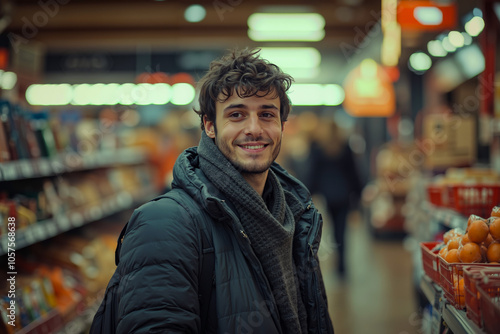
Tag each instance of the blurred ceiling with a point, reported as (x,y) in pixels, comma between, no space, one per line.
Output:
(116,25)
(74,24)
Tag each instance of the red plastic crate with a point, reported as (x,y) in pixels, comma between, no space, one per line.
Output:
(430,260)
(489,291)
(450,274)
(435,194)
(473,275)
(473,199)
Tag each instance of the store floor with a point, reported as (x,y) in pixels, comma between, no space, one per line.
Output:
(377,295)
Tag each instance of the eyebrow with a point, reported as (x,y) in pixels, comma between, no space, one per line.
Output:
(244,106)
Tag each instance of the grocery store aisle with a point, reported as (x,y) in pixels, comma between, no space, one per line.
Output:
(377,295)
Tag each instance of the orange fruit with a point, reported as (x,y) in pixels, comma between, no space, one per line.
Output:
(454,243)
(488,241)
(495,229)
(450,234)
(443,251)
(470,253)
(493,252)
(484,250)
(478,231)
(452,256)
(460,292)
(495,212)
(471,219)
(465,239)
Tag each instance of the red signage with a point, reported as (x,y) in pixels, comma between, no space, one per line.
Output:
(426,15)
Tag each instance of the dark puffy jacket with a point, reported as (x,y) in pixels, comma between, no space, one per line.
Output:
(160,262)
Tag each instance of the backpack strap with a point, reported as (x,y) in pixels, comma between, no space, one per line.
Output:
(207,281)
(207,275)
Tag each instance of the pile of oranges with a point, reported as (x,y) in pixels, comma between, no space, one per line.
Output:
(480,243)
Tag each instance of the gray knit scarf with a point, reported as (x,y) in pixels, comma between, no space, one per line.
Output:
(270,230)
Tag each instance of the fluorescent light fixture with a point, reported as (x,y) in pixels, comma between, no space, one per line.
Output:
(306,94)
(428,15)
(420,62)
(456,39)
(125,94)
(305,57)
(334,95)
(467,38)
(160,93)
(8,80)
(316,95)
(110,94)
(140,94)
(447,45)
(435,48)
(195,13)
(182,94)
(82,94)
(49,94)
(474,26)
(286,27)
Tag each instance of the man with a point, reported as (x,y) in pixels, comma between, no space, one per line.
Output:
(264,227)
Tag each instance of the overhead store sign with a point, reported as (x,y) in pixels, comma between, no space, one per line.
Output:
(369,91)
(426,15)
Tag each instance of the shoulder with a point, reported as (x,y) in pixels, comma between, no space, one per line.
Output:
(169,223)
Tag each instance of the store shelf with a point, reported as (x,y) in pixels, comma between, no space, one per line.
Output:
(431,290)
(447,217)
(458,322)
(455,319)
(68,162)
(51,227)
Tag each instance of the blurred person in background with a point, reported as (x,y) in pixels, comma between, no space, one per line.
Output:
(265,229)
(333,174)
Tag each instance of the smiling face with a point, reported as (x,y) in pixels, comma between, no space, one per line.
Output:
(248,131)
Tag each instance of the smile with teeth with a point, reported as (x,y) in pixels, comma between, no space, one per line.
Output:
(253,147)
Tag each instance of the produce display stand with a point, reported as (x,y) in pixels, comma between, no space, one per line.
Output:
(445,314)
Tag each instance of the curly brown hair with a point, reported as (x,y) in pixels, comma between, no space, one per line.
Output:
(242,71)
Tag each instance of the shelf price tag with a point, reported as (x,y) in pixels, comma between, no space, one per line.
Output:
(26,169)
(95,213)
(9,171)
(44,167)
(51,228)
(38,232)
(77,219)
(63,222)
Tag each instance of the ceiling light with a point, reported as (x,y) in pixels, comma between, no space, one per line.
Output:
(8,80)
(420,62)
(435,48)
(428,15)
(334,95)
(195,13)
(467,38)
(301,57)
(286,27)
(474,26)
(447,45)
(182,94)
(316,95)
(456,39)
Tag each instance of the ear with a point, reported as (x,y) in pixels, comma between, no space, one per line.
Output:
(209,127)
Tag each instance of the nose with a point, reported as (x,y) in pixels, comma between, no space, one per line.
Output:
(253,126)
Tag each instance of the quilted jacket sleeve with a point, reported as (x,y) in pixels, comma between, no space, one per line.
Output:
(159,263)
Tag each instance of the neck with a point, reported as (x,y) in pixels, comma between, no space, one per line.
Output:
(256,180)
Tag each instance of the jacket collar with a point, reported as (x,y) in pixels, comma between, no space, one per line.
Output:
(188,176)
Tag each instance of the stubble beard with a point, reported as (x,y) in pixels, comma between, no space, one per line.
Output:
(244,168)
